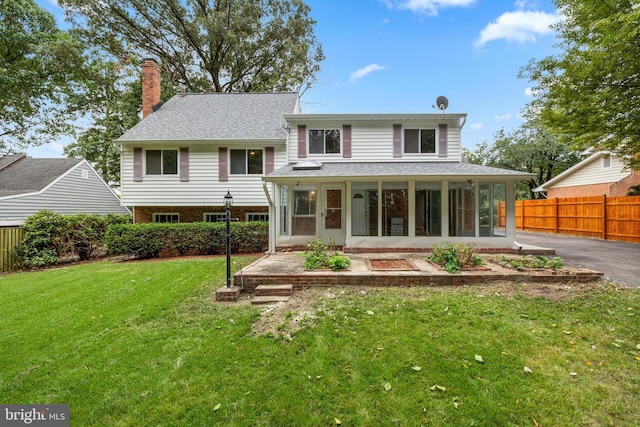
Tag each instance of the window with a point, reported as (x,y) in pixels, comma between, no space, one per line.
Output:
(428,209)
(304,213)
(364,209)
(606,161)
(245,162)
(166,217)
(284,210)
(420,141)
(395,208)
(461,209)
(252,216)
(324,141)
(492,211)
(162,162)
(214,216)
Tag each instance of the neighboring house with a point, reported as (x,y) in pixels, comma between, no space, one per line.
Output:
(362,181)
(65,186)
(601,173)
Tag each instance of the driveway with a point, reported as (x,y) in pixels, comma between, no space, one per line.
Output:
(619,261)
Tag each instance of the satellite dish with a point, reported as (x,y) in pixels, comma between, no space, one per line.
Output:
(442,103)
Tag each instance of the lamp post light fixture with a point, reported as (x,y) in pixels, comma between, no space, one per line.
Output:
(228,202)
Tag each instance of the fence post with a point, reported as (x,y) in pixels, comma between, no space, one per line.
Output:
(604,217)
(555,214)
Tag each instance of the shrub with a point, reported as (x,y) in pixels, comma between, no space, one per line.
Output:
(317,256)
(528,261)
(50,238)
(148,240)
(453,257)
(338,262)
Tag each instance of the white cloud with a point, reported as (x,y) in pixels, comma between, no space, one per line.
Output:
(519,26)
(477,126)
(503,117)
(529,91)
(364,71)
(430,7)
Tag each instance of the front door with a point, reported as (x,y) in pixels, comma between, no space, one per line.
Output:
(333,215)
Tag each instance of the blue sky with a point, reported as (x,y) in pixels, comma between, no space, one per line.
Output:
(398,56)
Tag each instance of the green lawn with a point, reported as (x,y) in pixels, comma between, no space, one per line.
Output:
(142,344)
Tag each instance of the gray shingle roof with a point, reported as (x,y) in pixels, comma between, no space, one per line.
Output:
(216,116)
(395,169)
(30,175)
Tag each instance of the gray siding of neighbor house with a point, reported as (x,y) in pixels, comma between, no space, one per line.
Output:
(70,194)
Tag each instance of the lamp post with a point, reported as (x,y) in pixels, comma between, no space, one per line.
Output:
(228,202)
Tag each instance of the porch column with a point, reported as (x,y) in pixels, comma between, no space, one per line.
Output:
(444,213)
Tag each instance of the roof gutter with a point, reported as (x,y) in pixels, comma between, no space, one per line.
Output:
(272,210)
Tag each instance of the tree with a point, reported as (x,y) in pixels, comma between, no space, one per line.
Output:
(112,101)
(221,46)
(589,92)
(38,69)
(530,148)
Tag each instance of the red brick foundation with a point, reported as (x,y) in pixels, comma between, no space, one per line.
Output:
(143,214)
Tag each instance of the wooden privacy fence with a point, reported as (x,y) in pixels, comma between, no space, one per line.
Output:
(609,218)
(10,238)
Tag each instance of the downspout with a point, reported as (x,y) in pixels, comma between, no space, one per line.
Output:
(272,231)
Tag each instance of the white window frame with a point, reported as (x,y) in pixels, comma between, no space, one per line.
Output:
(155,216)
(606,161)
(162,172)
(324,141)
(435,141)
(219,216)
(246,161)
(264,216)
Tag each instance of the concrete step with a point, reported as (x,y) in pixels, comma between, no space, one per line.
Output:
(262,300)
(274,290)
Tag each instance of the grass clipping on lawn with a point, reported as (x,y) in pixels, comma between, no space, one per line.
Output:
(143,344)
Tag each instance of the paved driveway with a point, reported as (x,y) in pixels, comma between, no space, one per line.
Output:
(619,261)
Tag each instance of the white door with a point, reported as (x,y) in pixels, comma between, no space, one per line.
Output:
(333,215)
(359,215)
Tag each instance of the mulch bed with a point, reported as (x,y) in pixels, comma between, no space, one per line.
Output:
(390,264)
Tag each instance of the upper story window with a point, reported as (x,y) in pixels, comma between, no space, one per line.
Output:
(324,141)
(162,162)
(420,141)
(245,162)
(606,161)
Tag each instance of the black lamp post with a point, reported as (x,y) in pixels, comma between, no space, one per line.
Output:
(228,202)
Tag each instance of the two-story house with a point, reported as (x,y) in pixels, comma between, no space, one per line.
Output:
(362,181)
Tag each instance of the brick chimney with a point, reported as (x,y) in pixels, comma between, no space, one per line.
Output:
(150,86)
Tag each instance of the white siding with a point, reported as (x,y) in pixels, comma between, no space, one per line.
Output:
(372,141)
(594,173)
(71,194)
(203,187)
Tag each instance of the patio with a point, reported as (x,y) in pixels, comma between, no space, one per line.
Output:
(287,268)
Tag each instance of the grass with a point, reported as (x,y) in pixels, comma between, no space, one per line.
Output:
(141,344)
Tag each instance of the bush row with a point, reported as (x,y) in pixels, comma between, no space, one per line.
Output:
(197,238)
(50,238)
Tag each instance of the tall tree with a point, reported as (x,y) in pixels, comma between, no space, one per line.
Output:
(111,100)
(590,91)
(222,45)
(38,69)
(530,148)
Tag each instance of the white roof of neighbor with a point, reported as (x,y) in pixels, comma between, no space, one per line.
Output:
(216,116)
